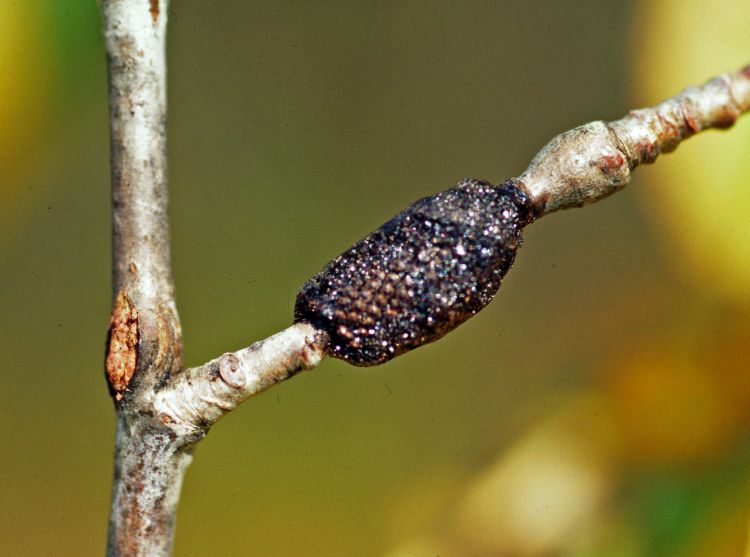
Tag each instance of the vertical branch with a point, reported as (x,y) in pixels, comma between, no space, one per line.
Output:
(135,32)
(137,95)
(144,346)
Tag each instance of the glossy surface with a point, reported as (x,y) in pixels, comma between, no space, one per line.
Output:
(418,276)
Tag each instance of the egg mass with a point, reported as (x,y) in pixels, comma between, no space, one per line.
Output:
(418,276)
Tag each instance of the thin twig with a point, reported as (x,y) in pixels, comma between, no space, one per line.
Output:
(595,160)
(199,396)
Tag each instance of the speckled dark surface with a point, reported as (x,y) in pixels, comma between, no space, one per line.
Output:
(418,276)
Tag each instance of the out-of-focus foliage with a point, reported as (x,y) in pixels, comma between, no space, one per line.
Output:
(22,93)
(44,48)
(597,407)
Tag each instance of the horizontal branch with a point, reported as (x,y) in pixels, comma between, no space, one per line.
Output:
(577,167)
(199,396)
(595,160)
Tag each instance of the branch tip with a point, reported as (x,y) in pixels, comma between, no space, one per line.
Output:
(593,161)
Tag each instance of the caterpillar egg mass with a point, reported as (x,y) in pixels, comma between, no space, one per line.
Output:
(420,275)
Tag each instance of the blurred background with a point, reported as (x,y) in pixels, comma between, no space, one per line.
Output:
(598,407)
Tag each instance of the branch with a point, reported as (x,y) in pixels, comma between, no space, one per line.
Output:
(595,160)
(144,308)
(407,284)
(144,345)
(199,396)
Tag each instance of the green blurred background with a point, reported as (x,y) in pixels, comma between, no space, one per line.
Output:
(598,407)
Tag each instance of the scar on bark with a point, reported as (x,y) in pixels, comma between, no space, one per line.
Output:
(122,348)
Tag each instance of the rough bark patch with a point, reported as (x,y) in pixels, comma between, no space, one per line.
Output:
(122,352)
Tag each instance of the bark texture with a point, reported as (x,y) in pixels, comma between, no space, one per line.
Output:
(144,346)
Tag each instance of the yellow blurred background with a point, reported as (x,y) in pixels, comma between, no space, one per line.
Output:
(598,407)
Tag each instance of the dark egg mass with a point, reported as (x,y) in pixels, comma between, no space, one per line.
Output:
(420,275)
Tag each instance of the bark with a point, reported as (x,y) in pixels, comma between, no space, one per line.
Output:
(162,409)
(595,160)
(144,345)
